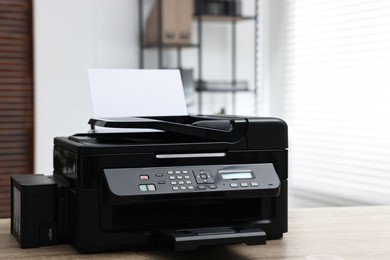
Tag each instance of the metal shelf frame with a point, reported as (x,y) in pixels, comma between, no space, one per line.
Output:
(201,20)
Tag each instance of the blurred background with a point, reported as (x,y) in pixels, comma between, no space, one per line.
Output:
(323,66)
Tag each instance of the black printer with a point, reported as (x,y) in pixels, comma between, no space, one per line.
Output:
(198,180)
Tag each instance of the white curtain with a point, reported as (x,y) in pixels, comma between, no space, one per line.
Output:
(331,83)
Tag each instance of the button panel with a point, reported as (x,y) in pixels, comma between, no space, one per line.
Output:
(192,179)
(183,180)
(203,176)
(180,180)
(147,187)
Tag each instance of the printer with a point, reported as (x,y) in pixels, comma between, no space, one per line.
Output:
(193,181)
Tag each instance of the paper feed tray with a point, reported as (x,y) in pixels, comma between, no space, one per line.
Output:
(218,129)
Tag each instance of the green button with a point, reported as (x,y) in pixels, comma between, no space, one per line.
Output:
(143,187)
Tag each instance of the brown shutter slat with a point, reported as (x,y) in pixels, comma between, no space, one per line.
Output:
(16,95)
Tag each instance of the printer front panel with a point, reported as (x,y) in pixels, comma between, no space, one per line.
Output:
(102,217)
(136,185)
(145,206)
(140,219)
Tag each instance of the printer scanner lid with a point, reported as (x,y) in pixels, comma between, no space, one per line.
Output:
(224,131)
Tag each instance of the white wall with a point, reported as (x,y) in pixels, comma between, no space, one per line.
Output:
(71,36)
(273,35)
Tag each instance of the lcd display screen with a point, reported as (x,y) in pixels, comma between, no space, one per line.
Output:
(236,175)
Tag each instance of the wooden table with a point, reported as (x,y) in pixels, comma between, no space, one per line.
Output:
(314,233)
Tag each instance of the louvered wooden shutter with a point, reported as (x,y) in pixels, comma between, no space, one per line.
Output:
(16,95)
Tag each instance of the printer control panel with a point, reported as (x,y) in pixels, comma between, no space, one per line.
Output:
(192,179)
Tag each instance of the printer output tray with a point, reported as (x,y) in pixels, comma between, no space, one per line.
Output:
(190,239)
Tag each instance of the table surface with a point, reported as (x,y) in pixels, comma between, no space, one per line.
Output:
(314,233)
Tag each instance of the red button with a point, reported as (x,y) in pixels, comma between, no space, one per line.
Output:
(144,177)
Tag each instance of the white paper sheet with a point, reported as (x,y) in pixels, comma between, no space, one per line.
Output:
(126,92)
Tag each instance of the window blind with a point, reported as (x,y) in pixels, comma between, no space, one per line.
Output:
(16,95)
(334,78)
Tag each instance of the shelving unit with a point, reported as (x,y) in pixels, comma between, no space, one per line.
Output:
(160,46)
(202,86)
